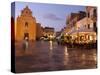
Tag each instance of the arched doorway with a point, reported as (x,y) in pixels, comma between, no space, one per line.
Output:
(26,36)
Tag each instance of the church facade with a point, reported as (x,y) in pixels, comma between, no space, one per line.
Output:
(25,25)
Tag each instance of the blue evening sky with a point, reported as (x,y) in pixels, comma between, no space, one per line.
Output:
(51,15)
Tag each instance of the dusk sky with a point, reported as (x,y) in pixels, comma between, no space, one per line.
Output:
(51,15)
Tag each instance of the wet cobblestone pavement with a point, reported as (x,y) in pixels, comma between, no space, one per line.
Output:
(49,56)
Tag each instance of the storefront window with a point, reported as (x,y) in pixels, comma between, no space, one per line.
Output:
(91,38)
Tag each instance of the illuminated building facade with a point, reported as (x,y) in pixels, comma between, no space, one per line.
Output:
(39,31)
(48,32)
(83,26)
(25,25)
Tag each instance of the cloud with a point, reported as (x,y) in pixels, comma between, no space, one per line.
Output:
(51,16)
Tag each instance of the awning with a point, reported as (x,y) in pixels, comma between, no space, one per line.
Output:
(82,31)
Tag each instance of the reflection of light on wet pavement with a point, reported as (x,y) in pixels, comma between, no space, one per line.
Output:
(51,45)
(51,48)
(48,55)
(66,59)
(83,57)
(66,52)
(95,57)
(51,59)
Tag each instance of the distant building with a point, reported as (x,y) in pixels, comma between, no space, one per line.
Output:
(39,31)
(71,19)
(74,17)
(70,22)
(25,25)
(48,31)
(87,27)
(85,30)
(92,14)
(81,15)
(58,33)
(82,27)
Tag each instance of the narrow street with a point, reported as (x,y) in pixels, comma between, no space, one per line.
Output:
(49,56)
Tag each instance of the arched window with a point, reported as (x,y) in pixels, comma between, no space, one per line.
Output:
(26,12)
(26,24)
(88,26)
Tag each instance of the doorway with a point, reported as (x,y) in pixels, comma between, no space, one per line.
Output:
(26,36)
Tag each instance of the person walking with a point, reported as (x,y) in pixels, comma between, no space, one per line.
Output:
(25,43)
